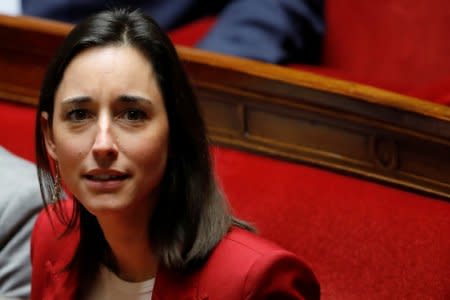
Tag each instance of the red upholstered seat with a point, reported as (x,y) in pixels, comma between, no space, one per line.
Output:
(192,33)
(363,240)
(17,129)
(398,45)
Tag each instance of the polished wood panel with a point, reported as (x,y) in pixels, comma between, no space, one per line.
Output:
(289,114)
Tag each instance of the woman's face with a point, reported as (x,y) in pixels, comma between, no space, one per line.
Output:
(110,131)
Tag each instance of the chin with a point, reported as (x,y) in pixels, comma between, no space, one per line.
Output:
(105,204)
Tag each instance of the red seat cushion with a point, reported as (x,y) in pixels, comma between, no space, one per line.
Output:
(389,43)
(364,240)
(17,129)
(190,34)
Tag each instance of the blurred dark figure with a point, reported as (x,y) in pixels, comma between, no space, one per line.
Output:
(281,31)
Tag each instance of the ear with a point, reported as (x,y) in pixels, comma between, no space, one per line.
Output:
(48,136)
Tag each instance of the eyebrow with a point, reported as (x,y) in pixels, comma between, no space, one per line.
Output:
(134,99)
(79,99)
(120,98)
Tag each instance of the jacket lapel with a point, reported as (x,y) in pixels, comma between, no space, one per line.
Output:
(62,284)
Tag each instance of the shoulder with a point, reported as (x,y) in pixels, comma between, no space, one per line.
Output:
(255,268)
(20,202)
(247,241)
(19,185)
(18,168)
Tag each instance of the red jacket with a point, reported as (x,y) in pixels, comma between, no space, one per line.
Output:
(242,266)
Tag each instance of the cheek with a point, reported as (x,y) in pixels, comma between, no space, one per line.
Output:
(152,151)
(149,151)
(71,148)
(70,152)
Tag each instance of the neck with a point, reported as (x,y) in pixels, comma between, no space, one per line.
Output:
(131,250)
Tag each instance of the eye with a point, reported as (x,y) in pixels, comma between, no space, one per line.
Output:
(134,115)
(78,115)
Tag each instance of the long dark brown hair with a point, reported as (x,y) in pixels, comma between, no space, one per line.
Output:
(193,216)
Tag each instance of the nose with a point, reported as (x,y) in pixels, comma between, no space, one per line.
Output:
(104,147)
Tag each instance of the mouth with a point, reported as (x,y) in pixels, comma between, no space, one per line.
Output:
(106,177)
(105,180)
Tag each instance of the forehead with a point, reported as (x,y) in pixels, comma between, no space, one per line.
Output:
(109,68)
(108,57)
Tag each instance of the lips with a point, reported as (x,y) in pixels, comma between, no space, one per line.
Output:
(105,180)
(101,181)
(106,177)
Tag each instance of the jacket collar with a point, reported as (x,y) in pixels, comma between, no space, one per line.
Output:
(168,285)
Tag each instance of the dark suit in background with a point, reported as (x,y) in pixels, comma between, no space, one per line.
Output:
(273,31)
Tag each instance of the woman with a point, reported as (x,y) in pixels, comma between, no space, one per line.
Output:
(118,124)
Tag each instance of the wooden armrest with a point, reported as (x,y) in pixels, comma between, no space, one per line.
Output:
(288,114)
